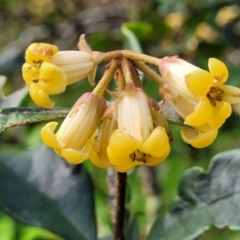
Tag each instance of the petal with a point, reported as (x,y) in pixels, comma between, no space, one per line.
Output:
(97,161)
(126,167)
(72,155)
(202,113)
(52,79)
(231,94)
(48,136)
(157,143)
(199,82)
(115,159)
(30,73)
(218,71)
(196,139)
(219,118)
(122,143)
(152,161)
(39,96)
(38,52)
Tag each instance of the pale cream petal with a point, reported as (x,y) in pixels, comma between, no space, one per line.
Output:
(231,94)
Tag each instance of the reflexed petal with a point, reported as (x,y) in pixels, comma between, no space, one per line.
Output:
(197,139)
(157,143)
(231,94)
(219,118)
(48,136)
(94,158)
(126,167)
(52,79)
(30,73)
(72,155)
(199,82)
(39,52)
(122,158)
(39,96)
(92,74)
(218,70)
(152,161)
(202,113)
(122,143)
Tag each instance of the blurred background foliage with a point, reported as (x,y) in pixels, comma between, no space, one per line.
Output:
(193,30)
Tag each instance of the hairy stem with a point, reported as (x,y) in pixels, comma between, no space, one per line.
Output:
(120,206)
(131,56)
(106,78)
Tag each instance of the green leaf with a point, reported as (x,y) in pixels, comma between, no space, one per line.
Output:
(132,231)
(39,189)
(7,227)
(10,117)
(35,233)
(139,28)
(131,42)
(205,199)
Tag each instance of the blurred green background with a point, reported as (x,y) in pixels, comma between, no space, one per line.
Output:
(193,30)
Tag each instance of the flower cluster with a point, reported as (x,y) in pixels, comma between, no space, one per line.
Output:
(130,130)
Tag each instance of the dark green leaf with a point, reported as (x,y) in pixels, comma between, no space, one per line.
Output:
(205,199)
(38,188)
(10,117)
(132,232)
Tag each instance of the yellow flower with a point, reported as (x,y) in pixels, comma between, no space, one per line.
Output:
(48,71)
(72,140)
(196,95)
(138,139)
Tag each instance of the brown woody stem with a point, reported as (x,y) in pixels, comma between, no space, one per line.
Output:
(120,206)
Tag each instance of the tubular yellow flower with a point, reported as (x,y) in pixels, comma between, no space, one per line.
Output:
(48,71)
(72,140)
(138,140)
(196,95)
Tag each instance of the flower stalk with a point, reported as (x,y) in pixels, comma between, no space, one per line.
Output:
(120,206)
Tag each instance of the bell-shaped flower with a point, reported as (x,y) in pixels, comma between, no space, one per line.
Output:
(72,140)
(137,141)
(195,94)
(48,71)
